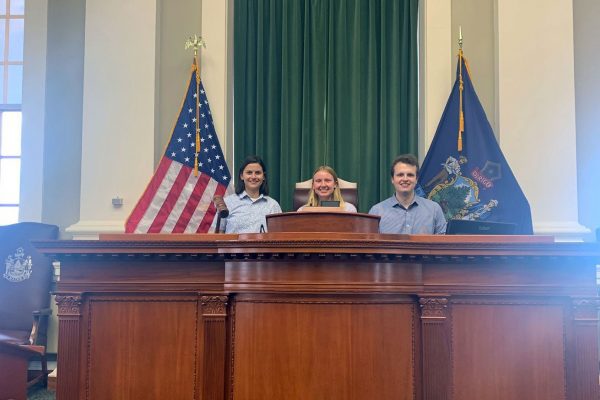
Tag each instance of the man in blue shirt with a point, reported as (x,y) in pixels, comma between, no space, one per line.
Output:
(405,212)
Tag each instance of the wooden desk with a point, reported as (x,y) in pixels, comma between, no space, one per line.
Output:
(326,316)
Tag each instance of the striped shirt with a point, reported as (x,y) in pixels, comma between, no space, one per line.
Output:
(423,216)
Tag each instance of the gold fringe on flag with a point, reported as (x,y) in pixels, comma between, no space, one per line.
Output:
(197,117)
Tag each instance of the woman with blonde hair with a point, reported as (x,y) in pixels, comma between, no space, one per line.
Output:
(325,187)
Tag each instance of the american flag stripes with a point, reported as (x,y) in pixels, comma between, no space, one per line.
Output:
(175,200)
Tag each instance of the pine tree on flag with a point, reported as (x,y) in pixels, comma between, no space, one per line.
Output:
(464,170)
(191,172)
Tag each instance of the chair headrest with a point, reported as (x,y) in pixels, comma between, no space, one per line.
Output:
(343,184)
(349,192)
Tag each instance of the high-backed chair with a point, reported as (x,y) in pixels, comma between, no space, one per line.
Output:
(349,192)
(25,284)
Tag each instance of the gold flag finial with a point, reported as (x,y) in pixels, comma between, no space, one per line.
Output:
(195,42)
(460,40)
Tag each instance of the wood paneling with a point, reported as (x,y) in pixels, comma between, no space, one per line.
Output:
(509,351)
(320,274)
(141,348)
(323,350)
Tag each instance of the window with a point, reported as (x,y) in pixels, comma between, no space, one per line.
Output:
(12,25)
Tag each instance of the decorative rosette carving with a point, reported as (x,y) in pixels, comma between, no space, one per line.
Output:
(586,308)
(433,307)
(68,304)
(214,305)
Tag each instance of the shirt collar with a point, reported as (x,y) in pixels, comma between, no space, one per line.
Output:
(394,201)
(243,195)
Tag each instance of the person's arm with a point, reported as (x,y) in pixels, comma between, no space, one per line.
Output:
(275,207)
(375,210)
(439,221)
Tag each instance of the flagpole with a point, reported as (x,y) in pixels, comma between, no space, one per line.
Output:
(461,116)
(196,42)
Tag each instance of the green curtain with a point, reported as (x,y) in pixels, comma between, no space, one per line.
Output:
(329,82)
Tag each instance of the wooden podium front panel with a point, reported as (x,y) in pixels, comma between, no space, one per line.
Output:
(509,351)
(142,348)
(329,348)
(323,221)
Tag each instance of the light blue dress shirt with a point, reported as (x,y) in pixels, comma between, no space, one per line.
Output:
(247,215)
(423,216)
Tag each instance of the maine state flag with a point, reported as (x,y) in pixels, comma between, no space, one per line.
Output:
(464,170)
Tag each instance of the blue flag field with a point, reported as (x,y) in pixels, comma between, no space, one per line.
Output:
(464,170)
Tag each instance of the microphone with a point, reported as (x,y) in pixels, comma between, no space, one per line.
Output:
(222,210)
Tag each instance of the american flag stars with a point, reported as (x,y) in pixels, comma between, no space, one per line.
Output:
(177,199)
(210,150)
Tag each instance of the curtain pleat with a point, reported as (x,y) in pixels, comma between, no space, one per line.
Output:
(325,82)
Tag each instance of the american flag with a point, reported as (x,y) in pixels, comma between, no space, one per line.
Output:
(175,200)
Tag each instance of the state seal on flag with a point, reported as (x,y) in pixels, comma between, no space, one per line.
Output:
(457,194)
(18,266)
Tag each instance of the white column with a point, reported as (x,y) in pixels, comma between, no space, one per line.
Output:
(217,68)
(118,111)
(34,96)
(435,66)
(536,104)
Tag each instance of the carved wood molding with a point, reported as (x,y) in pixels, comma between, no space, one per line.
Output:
(232,347)
(433,307)
(292,300)
(437,362)
(316,245)
(142,299)
(308,251)
(478,301)
(69,304)
(214,306)
(586,309)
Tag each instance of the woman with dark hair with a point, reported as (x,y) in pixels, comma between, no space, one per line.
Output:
(325,186)
(250,203)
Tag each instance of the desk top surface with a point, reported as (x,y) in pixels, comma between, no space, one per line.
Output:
(329,243)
